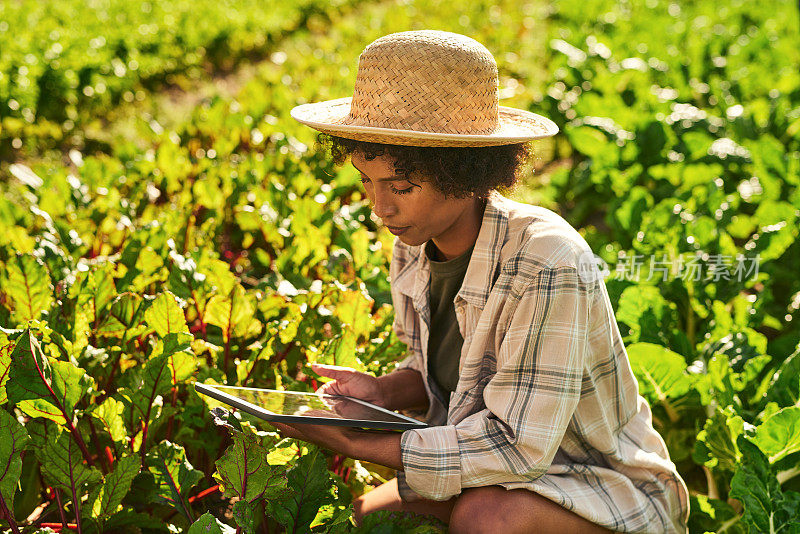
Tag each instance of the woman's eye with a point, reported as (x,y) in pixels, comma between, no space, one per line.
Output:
(401,191)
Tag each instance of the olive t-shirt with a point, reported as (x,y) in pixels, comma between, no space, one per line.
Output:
(445,341)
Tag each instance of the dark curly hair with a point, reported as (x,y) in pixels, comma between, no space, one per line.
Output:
(455,171)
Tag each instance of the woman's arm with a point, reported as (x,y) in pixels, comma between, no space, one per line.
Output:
(381,448)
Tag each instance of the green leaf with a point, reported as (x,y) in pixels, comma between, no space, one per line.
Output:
(716,443)
(652,140)
(661,372)
(63,467)
(53,387)
(218,275)
(233,313)
(109,413)
(122,316)
(310,484)
(128,520)
(245,472)
(13,440)
(244,513)
(707,514)
(341,350)
(5,367)
(587,140)
(339,508)
(646,313)
(36,408)
(353,309)
(26,283)
(172,364)
(208,524)
(165,315)
(96,291)
(779,435)
(766,507)
(627,217)
(179,358)
(115,486)
(174,475)
(785,385)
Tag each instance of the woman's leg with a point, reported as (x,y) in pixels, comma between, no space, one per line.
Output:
(495,509)
(488,509)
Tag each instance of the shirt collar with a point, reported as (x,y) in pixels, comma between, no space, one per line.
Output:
(484,265)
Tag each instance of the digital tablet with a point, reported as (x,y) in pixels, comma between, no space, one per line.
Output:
(309,408)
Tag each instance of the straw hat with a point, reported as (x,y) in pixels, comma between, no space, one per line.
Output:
(425,88)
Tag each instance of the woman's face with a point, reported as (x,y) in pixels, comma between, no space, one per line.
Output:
(412,209)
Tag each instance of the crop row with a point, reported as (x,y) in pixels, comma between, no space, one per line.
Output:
(56,75)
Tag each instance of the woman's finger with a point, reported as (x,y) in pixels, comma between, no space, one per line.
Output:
(333,371)
(331,388)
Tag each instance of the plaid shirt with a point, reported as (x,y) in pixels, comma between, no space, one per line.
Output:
(546,399)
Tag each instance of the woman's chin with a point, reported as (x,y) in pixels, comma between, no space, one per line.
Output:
(411,240)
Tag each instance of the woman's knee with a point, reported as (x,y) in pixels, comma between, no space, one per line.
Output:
(476,511)
(495,509)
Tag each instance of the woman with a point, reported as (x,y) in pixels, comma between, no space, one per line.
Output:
(536,422)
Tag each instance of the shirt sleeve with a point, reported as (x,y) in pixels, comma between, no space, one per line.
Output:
(529,401)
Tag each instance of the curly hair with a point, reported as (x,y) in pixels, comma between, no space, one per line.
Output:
(454,171)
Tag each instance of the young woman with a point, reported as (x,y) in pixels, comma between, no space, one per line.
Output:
(536,422)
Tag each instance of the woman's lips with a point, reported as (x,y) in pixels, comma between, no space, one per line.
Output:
(397,230)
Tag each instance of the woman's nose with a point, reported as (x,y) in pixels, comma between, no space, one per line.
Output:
(382,206)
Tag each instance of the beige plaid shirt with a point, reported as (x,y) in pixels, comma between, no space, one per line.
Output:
(546,399)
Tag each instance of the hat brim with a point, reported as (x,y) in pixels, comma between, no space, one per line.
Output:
(514,126)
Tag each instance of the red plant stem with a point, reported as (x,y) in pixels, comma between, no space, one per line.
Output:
(284,353)
(204,493)
(76,505)
(146,420)
(228,341)
(111,376)
(57,493)
(199,314)
(7,514)
(96,444)
(109,456)
(336,463)
(250,372)
(59,526)
(79,440)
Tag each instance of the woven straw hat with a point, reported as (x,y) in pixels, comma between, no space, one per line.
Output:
(425,88)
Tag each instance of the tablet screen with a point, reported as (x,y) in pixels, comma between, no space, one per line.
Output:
(301,407)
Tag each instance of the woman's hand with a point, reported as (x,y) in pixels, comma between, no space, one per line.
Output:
(377,447)
(336,438)
(349,382)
